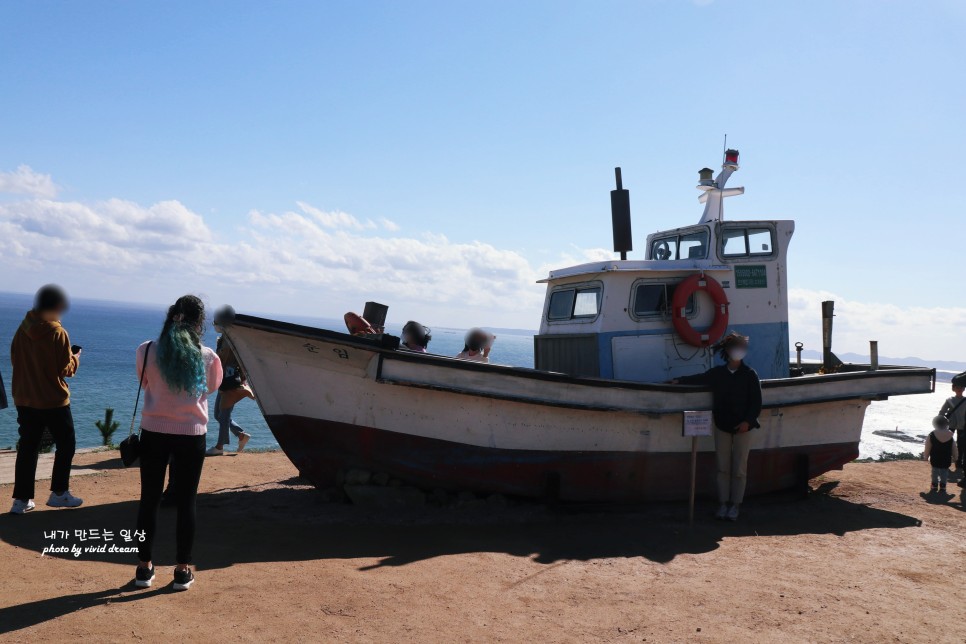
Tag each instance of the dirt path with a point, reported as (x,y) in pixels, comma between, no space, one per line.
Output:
(865,558)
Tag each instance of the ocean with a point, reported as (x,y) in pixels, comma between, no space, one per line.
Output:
(110,332)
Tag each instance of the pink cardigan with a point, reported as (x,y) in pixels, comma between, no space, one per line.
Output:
(169,412)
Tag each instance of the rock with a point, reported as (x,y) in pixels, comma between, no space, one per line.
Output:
(357,477)
(496,501)
(332,495)
(438,497)
(385,498)
(380,478)
(464,497)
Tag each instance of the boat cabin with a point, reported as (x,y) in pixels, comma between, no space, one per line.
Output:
(618,319)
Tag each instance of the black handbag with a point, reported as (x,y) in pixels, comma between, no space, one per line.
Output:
(232,379)
(131,446)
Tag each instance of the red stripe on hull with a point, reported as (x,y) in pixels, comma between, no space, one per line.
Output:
(319,449)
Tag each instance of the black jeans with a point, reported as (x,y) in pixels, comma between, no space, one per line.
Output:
(187,456)
(32,422)
(961,446)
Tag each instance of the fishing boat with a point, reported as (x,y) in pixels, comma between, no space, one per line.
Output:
(595,418)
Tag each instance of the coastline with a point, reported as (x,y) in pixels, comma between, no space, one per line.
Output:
(275,562)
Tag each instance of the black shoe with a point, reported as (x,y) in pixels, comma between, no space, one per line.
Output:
(942,488)
(144,577)
(934,488)
(183,579)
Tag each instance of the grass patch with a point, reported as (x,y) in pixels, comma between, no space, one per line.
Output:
(261,450)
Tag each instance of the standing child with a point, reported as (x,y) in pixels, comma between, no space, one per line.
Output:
(940,452)
(954,409)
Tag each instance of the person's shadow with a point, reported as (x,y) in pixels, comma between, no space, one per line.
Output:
(14,618)
(289,522)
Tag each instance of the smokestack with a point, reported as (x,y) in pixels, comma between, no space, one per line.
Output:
(620,214)
(830,362)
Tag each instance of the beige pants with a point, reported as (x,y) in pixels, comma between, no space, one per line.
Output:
(731,451)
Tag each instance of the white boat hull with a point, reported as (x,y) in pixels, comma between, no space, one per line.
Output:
(336,402)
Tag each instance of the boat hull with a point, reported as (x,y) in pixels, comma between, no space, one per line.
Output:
(335,402)
(321,450)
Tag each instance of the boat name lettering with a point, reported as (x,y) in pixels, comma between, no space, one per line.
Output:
(342,353)
(311,348)
(751,276)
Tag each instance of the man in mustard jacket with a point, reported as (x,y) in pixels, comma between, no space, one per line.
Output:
(42,358)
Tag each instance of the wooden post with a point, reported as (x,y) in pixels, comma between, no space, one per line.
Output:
(694,467)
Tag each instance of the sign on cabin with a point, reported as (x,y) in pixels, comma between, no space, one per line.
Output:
(751,276)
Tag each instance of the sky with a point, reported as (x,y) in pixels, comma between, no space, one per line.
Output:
(304,157)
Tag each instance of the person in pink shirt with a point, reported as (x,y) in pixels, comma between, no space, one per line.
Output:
(178,374)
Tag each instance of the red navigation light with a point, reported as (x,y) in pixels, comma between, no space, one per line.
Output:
(731,156)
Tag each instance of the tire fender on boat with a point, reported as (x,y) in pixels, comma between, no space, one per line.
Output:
(679,313)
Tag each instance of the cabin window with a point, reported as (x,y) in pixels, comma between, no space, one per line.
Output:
(654,300)
(569,303)
(562,304)
(692,245)
(759,241)
(746,242)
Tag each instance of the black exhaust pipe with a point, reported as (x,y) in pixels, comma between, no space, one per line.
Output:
(620,215)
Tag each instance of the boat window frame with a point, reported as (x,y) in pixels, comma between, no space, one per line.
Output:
(677,236)
(577,287)
(692,312)
(747,256)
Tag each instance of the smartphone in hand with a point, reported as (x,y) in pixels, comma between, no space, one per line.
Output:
(75,349)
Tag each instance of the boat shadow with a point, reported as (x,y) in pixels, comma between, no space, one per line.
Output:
(290,522)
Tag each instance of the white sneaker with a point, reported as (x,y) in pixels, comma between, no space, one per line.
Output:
(65,500)
(19,507)
(243,439)
(722,512)
(733,513)
(214,451)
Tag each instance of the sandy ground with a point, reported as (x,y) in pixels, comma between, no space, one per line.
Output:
(868,557)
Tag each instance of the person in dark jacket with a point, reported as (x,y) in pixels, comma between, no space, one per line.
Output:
(736,404)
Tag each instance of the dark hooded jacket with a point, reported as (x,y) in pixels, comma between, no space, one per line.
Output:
(42,359)
(736,396)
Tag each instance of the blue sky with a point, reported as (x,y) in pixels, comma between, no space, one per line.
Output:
(481,136)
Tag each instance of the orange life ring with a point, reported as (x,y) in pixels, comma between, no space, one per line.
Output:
(679,313)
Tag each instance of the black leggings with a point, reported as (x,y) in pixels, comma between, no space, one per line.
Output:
(187,456)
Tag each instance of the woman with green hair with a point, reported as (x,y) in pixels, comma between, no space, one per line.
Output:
(178,374)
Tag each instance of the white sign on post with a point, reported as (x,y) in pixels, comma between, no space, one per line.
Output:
(697,423)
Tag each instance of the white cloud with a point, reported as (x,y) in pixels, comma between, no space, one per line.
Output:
(332,219)
(131,250)
(317,262)
(388,224)
(24,181)
(902,331)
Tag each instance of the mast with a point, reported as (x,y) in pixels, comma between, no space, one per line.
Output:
(714,191)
